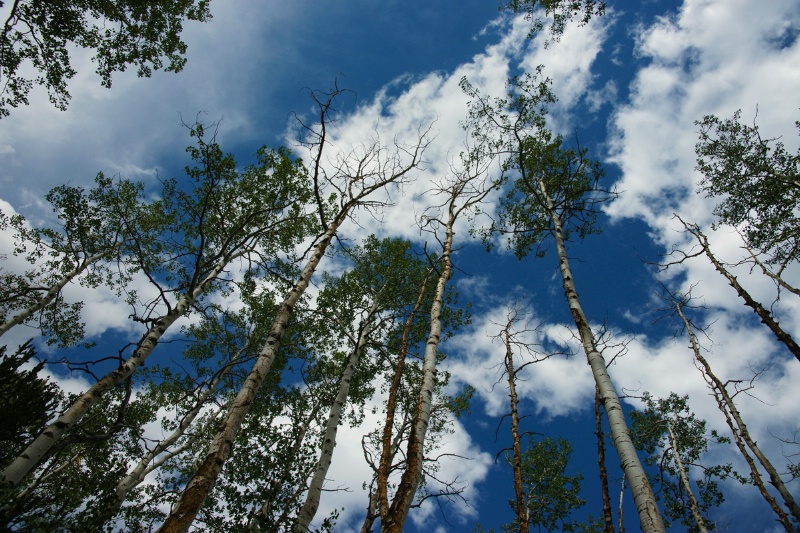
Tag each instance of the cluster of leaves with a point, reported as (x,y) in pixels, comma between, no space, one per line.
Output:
(758,183)
(122,33)
(650,431)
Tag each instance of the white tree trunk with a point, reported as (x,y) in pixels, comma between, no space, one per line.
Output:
(649,516)
(311,504)
(701,524)
(38,449)
(199,486)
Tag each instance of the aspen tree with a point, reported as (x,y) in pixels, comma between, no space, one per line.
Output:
(225,216)
(357,176)
(464,192)
(748,447)
(553,195)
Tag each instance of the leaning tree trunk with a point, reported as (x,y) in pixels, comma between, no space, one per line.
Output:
(409,482)
(37,450)
(311,504)
(701,524)
(201,483)
(387,446)
(741,435)
(766,317)
(649,517)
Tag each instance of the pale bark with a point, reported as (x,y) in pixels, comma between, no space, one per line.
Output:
(764,314)
(290,457)
(649,516)
(50,295)
(311,504)
(201,483)
(38,449)
(409,482)
(741,435)
(695,508)
(151,460)
(366,174)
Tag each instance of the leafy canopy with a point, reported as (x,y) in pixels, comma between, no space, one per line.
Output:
(757,182)
(141,33)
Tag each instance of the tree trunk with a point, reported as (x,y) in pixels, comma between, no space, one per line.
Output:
(741,435)
(608,517)
(36,451)
(311,504)
(765,316)
(649,517)
(701,524)
(519,491)
(387,448)
(409,481)
(201,483)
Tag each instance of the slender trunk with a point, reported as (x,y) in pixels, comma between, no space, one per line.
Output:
(148,462)
(409,482)
(701,524)
(519,491)
(372,512)
(621,499)
(311,504)
(51,294)
(266,507)
(741,435)
(387,451)
(601,463)
(645,501)
(201,483)
(765,316)
(36,451)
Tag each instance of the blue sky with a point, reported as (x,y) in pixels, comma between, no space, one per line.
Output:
(630,86)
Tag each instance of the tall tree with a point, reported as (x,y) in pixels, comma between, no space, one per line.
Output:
(223,216)
(766,315)
(357,176)
(464,192)
(122,33)
(553,194)
(750,450)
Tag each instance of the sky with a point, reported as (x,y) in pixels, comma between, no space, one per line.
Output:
(630,86)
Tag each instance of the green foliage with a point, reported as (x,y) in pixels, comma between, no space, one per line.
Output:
(650,433)
(26,401)
(758,183)
(562,12)
(85,247)
(550,493)
(547,179)
(123,33)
